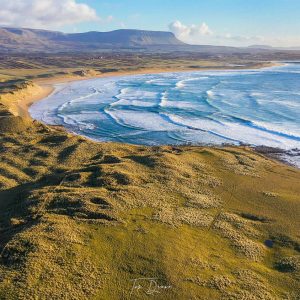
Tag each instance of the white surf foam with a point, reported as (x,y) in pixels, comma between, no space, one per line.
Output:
(210,110)
(182,83)
(164,99)
(132,97)
(210,94)
(237,132)
(143,120)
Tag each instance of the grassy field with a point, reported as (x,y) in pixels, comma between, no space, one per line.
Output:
(82,220)
(87,220)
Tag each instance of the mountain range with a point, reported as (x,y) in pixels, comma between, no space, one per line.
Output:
(14,40)
(20,39)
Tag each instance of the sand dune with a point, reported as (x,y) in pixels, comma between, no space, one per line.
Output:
(83,220)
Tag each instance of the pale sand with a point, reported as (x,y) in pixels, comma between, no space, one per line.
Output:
(19,101)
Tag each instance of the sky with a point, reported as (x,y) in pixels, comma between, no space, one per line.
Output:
(217,22)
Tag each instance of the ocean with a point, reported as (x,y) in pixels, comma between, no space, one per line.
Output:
(255,107)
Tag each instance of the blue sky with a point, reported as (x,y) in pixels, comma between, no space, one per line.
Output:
(231,22)
(240,21)
(251,17)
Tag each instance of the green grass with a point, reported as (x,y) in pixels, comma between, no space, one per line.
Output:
(34,67)
(81,220)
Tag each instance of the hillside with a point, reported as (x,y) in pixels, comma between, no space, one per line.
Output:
(17,39)
(84,220)
(122,38)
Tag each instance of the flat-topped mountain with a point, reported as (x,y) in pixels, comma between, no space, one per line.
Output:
(260,47)
(18,39)
(21,40)
(122,37)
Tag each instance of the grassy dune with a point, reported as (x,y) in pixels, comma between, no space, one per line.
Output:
(86,220)
(81,220)
(39,67)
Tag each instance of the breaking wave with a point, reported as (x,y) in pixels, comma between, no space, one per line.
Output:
(257,107)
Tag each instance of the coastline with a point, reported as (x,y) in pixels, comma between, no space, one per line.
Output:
(20,101)
(42,88)
(70,206)
(47,87)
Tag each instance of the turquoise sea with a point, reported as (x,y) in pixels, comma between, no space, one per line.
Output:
(256,107)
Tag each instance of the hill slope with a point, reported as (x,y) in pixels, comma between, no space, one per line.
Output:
(42,40)
(83,220)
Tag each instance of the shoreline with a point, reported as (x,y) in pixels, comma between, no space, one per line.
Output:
(46,90)
(48,84)
(40,89)
(45,87)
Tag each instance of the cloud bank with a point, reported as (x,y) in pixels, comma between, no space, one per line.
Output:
(44,13)
(189,32)
(202,34)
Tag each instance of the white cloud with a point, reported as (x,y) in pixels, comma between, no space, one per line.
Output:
(44,13)
(122,25)
(202,30)
(187,32)
(110,19)
(202,34)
